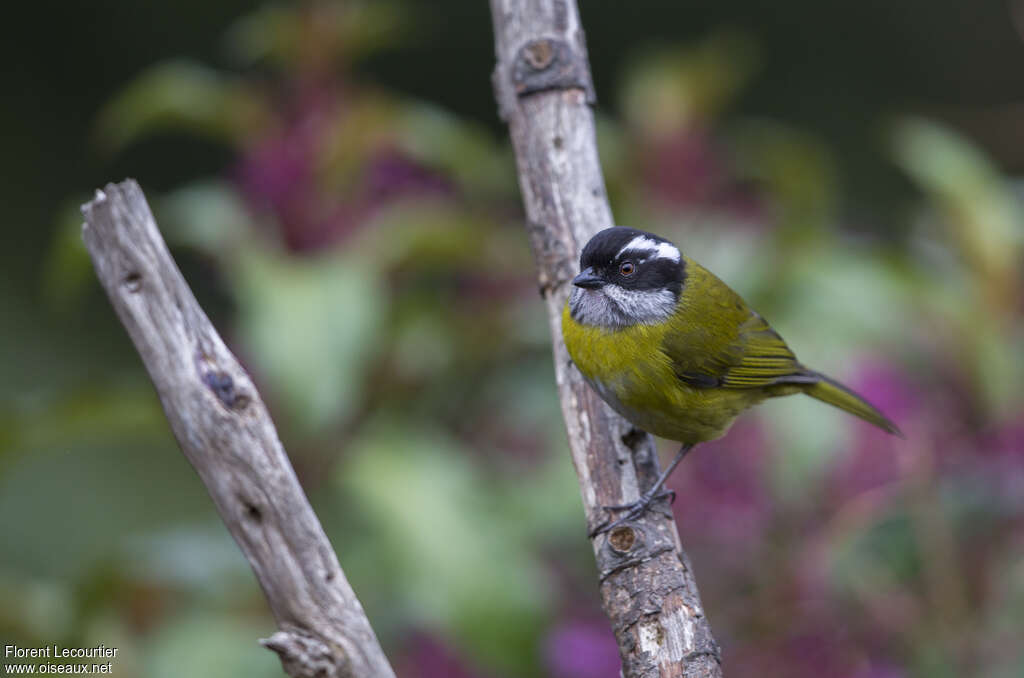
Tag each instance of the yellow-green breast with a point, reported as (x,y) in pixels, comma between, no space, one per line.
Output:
(630,371)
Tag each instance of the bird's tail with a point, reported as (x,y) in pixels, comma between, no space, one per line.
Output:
(834,393)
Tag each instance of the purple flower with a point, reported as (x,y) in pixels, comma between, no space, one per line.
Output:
(1008,441)
(1001,463)
(827,649)
(683,168)
(871,460)
(721,490)
(428,657)
(582,649)
(876,669)
(889,389)
(275,173)
(391,174)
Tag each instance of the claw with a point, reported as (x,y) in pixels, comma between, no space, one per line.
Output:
(635,510)
(644,501)
(638,507)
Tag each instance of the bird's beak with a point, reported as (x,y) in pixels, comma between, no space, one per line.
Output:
(588,280)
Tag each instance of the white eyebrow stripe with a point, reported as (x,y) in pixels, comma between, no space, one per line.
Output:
(663,250)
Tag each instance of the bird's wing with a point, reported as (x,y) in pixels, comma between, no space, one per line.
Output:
(764,360)
(719,342)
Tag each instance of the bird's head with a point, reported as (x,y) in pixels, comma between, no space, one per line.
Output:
(627,277)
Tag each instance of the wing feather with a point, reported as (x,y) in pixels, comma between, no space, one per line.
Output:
(739,349)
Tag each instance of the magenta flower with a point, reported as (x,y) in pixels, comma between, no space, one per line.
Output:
(877,669)
(721,491)
(391,174)
(582,649)
(278,175)
(827,650)
(275,172)
(1002,464)
(428,657)
(889,389)
(871,460)
(1008,441)
(683,169)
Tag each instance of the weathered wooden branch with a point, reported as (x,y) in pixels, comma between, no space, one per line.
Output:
(226,433)
(544,90)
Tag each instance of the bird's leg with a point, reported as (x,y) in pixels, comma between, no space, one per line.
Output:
(664,494)
(641,505)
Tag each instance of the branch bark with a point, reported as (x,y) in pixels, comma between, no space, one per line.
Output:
(544,91)
(226,433)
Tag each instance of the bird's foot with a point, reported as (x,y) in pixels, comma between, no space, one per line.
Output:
(633,510)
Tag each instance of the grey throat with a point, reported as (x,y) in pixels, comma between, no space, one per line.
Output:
(613,307)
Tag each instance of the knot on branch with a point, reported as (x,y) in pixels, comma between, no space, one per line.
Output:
(632,544)
(551,64)
(231,394)
(303,655)
(223,386)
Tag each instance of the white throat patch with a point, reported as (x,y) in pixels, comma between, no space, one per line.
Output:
(613,307)
(659,250)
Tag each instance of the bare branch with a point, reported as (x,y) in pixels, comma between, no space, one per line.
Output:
(226,433)
(543,86)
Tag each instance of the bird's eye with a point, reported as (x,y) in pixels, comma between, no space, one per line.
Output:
(627,268)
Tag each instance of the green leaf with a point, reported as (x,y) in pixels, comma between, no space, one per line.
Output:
(457,147)
(180,95)
(203,644)
(207,215)
(672,89)
(311,328)
(795,167)
(67,270)
(977,202)
(292,34)
(446,552)
(70,506)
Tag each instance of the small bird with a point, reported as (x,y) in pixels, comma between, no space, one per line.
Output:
(677,352)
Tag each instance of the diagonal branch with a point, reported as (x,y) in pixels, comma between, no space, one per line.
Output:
(226,433)
(544,90)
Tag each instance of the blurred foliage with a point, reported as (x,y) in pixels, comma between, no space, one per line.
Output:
(362,252)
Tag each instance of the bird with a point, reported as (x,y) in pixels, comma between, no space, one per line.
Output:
(676,351)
